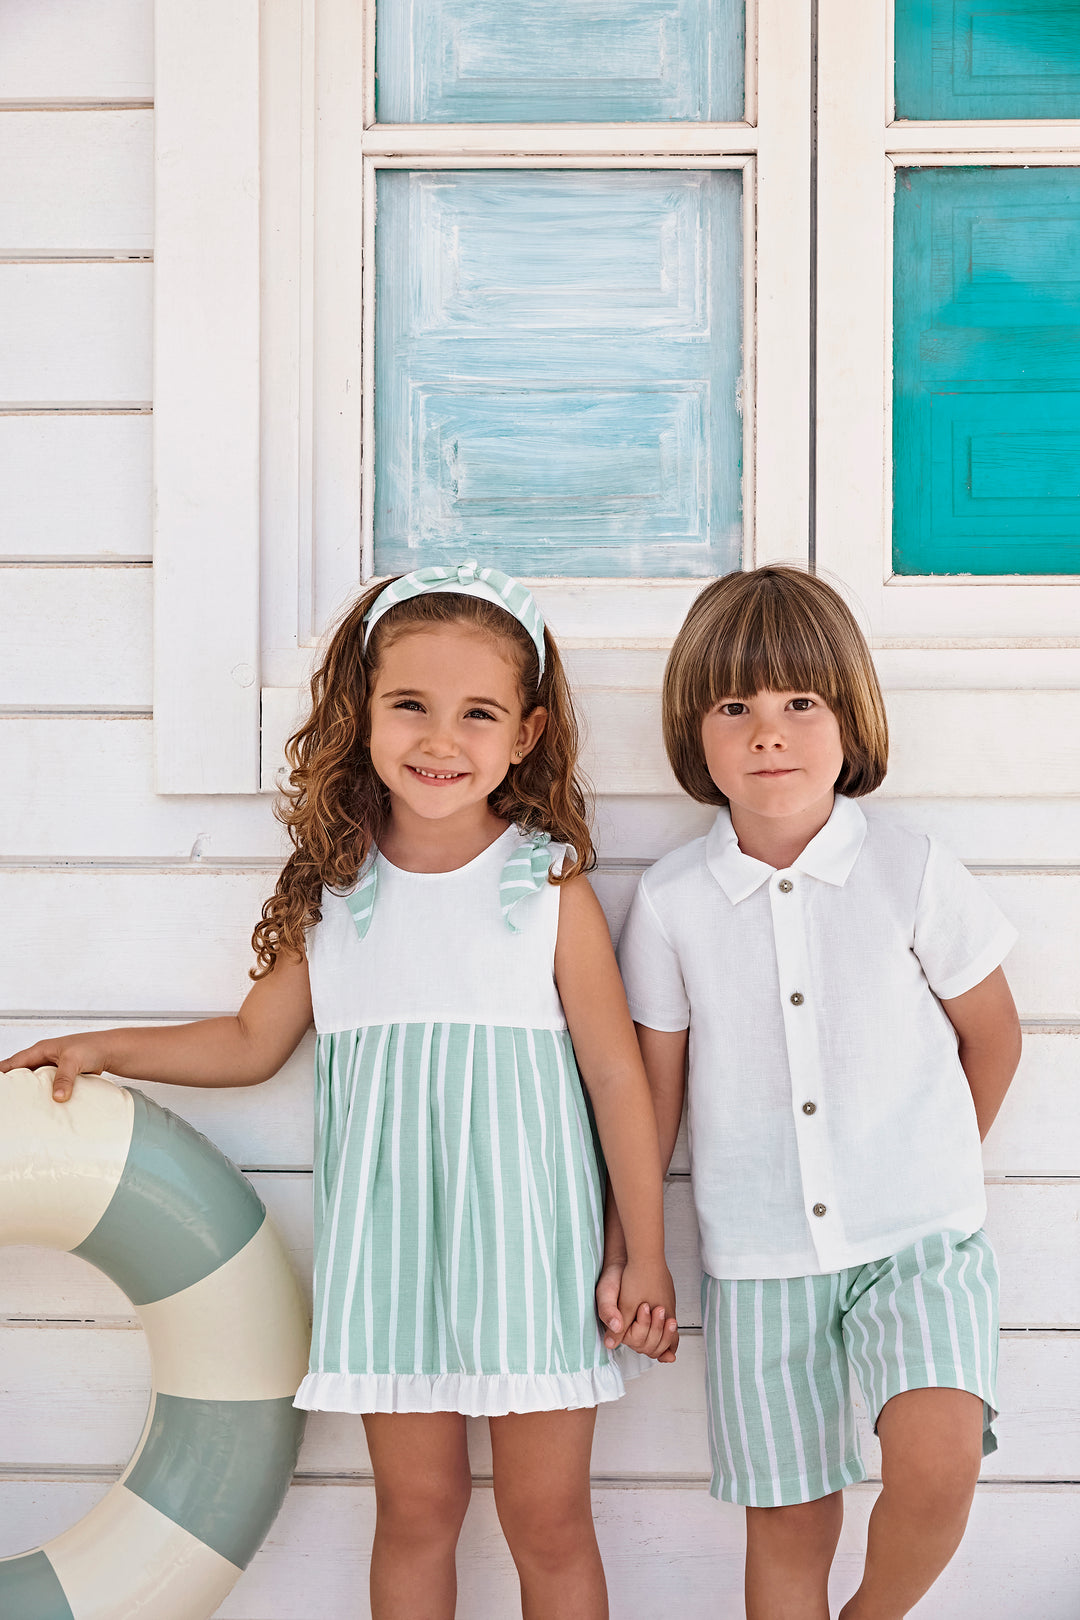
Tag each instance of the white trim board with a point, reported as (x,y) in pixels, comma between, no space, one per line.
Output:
(206,396)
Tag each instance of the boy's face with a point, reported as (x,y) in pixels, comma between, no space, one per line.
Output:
(776,754)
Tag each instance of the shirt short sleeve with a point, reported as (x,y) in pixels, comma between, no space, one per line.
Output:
(650,968)
(960,935)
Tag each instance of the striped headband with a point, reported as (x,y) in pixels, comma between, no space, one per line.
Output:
(467,579)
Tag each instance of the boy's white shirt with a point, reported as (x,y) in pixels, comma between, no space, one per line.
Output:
(875,924)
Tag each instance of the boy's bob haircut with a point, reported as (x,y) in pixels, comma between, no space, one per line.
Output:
(773,629)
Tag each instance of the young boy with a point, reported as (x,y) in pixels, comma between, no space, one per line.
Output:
(831,989)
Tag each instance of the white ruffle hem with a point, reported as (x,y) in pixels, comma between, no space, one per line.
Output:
(472,1394)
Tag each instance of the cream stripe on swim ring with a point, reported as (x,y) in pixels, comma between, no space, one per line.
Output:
(154,1205)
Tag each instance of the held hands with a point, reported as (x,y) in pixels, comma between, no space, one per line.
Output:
(624,1296)
(72,1055)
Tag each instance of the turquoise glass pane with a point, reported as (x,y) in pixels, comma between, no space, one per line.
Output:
(988,58)
(557,370)
(986,416)
(551,61)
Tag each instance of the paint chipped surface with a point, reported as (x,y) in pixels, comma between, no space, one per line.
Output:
(558,357)
(549,61)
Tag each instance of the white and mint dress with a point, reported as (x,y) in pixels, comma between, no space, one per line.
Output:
(458,1197)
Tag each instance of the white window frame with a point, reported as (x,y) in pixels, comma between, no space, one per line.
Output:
(296,415)
(861,145)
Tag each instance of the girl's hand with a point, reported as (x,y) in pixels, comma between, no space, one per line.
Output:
(647,1303)
(72,1054)
(239,1051)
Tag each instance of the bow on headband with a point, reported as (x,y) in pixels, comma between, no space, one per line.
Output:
(467,579)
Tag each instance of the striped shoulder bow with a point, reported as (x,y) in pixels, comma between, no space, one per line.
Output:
(524,874)
(361,899)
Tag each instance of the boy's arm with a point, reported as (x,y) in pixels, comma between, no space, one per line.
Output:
(238,1051)
(664,1055)
(988,1030)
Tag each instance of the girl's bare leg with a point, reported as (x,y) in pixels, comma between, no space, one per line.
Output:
(931,1451)
(789,1552)
(422,1488)
(545,1508)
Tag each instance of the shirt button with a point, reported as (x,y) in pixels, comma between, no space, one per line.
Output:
(796,998)
(819,1209)
(809,1108)
(785,885)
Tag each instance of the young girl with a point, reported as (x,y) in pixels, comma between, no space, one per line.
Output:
(435,921)
(851,1036)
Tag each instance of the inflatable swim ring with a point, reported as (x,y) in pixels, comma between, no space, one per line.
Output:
(157,1208)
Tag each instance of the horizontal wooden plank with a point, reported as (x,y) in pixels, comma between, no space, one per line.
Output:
(76,182)
(76,1397)
(943,743)
(950,743)
(926,666)
(1044,906)
(75,486)
(1036,1134)
(76,333)
(642,827)
(74,637)
(1020,1555)
(1034,1226)
(99,50)
(264,1127)
(162,936)
(119,816)
(137,960)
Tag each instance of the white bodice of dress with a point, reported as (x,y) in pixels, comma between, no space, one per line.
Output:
(438,949)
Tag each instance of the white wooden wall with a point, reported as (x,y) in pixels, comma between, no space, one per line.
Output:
(120,904)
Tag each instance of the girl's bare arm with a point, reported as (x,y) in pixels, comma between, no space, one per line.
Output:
(664,1055)
(611,1068)
(988,1030)
(238,1051)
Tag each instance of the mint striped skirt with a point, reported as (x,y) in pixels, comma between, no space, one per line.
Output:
(458,1225)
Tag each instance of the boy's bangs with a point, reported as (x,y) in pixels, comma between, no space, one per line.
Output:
(754,656)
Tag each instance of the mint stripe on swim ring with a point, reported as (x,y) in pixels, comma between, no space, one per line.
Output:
(130,1187)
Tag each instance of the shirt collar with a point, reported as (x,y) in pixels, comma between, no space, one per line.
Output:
(829,855)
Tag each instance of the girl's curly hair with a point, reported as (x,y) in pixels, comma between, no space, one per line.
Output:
(334,805)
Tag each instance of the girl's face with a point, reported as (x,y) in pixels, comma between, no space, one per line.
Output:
(776,754)
(445,720)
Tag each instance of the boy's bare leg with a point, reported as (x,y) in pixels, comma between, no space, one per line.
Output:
(789,1552)
(931,1451)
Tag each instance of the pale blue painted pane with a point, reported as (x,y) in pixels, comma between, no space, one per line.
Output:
(988,58)
(552,61)
(987,371)
(558,358)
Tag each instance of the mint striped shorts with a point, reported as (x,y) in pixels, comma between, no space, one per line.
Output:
(779,1353)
